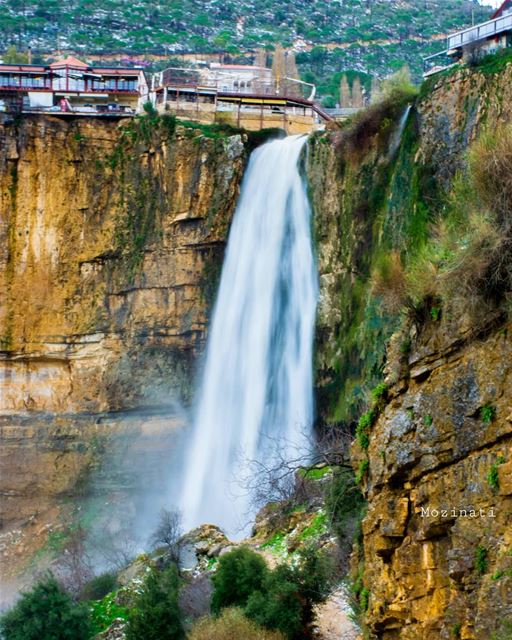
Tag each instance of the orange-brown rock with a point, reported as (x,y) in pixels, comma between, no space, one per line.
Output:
(438,532)
(111,241)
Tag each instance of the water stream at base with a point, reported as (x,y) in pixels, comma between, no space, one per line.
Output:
(257,381)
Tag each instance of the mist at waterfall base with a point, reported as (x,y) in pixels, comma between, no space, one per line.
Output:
(256,386)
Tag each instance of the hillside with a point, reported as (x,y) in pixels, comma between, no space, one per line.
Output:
(372,36)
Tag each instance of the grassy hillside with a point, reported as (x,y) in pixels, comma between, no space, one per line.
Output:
(377,34)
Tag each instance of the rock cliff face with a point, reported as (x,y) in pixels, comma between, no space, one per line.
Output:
(438,535)
(111,241)
(106,252)
(436,550)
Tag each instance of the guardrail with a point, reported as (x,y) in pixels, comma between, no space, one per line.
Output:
(480,32)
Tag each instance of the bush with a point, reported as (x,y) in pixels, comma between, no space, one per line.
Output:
(156,615)
(378,120)
(388,282)
(344,503)
(279,605)
(481,561)
(399,87)
(505,631)
(490,166)
(286,601)
(231,625)
(467,264)
(239,574)
(99,586)
(46,612)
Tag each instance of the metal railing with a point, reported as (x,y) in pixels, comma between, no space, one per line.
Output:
(481,31)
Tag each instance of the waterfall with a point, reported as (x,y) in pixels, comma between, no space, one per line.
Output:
(397,135)
(257,379)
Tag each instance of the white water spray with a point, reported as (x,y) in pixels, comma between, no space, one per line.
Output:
(257,380)
(399,132)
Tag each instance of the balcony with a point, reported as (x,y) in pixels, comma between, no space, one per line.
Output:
(481,32)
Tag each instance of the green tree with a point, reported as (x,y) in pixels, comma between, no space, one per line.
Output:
(46,612)
(239,574)
(278,606)
(288,596)
(156,615)
(13,56)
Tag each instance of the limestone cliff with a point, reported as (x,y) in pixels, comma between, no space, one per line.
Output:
(442,444)
(111,241)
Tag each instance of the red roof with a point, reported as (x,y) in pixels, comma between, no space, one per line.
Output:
(70,61)
(238,66)
(27,68)
(506,5)
(117,71)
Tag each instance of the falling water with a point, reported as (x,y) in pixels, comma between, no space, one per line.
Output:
(397,135)
(257,381)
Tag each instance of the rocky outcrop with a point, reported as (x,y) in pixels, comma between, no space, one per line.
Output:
(111,241)
(438,534)
(369,199)
(436,552)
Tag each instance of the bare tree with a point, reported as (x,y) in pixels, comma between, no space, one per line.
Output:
(345,94)
(280,478)
(357,94)
(74,566)
(116,550)
(168,533)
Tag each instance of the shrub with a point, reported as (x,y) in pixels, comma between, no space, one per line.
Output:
(388,281)
(487,413)
(490,165)
(286,601)
(481,561)
(505,631)
(344,503)
(399,86)
(279,606)
(156,615)
(99,586)
(46,612)
(374,121)
(239,574)
(493,477)
(231,625)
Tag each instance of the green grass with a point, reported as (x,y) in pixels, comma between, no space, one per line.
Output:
(105,611)
(496,62)
(364,465)
(379,391)
(277,543)
(315,473)
(364,599)
(316,529)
